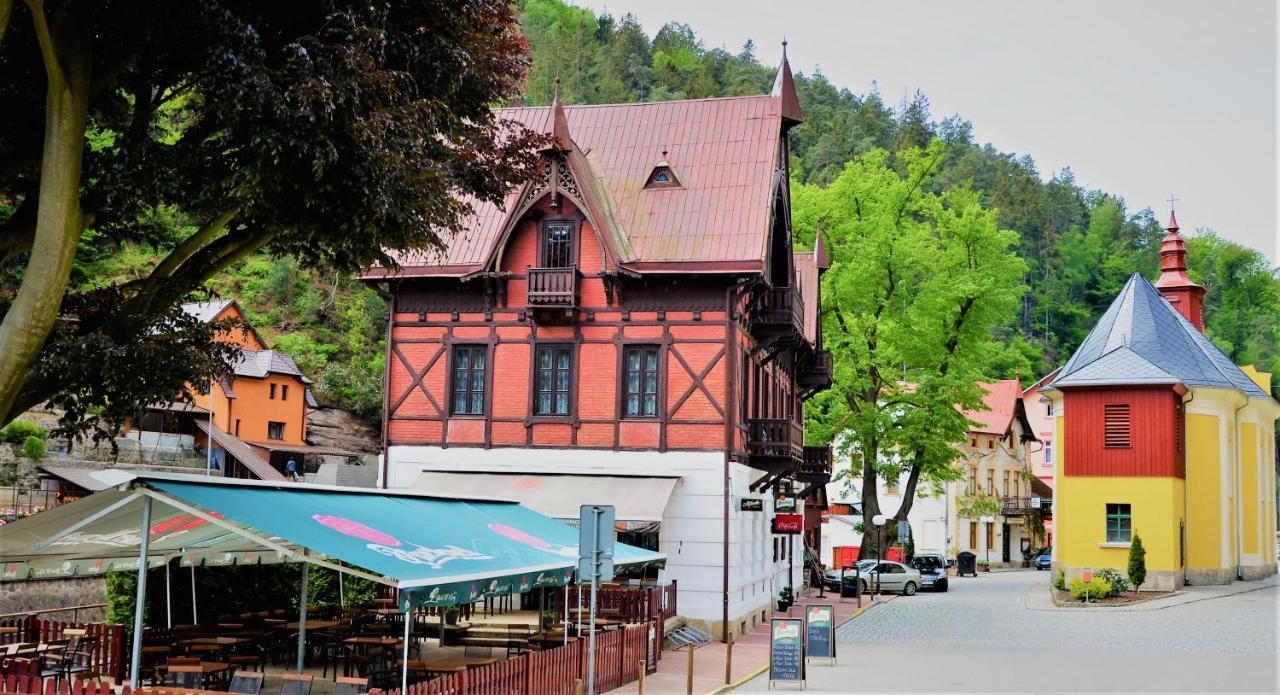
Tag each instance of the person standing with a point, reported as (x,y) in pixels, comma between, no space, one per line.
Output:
(291,470)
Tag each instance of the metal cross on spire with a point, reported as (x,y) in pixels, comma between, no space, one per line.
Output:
(1172,200)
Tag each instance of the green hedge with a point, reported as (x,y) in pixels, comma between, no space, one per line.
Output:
(16,432)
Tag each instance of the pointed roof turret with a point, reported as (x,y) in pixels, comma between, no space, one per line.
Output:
(784,86)
(558,124)
(820,258)
(1144,339)
(1174,283)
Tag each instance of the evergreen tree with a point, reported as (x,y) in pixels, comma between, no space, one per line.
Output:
(1137,563)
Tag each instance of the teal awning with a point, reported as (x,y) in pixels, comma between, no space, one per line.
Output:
(438,550)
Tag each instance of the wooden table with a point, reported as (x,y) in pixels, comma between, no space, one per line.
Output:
(314,624)
(9,630)
(208,669)
(220,641)
(552,639)
(373,641)
(450,664)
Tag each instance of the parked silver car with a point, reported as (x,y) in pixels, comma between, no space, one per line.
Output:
(891,577)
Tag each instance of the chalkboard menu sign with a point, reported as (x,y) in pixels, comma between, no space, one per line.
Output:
(786,650)
(820,625)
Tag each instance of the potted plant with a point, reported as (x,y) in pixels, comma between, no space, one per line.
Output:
(1027,556)
(451,615)
(984,565)
(550,618)
(785,599)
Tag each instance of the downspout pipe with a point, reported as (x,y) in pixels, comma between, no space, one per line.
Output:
(386,386)
(1235,484)
(731,425)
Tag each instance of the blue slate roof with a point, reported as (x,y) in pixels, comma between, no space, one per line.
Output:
(1142,339)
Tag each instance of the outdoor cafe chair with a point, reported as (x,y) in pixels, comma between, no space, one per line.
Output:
(517,639)
(295,684)
(248,656)
(350,686)
(185,676)
(248,683)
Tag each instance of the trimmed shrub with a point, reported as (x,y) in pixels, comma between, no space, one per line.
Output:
(1060,581)
(1118,582)
(1098,588)
(16,432)
(33,449)
(1137,562)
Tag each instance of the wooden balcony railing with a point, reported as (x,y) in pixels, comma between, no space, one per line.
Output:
(775,439)
(814,372)
(816,464)
(779,311)
(553,287)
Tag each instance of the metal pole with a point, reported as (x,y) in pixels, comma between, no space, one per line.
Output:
(404,665)
(168,597)
(195,617)
(565,624)
(302,615)
(342,598)
(208,449)
(140,601)
(688,688)
(595,581)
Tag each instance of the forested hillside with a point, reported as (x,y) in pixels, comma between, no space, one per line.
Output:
(1079,245)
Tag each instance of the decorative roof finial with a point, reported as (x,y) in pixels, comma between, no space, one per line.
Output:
(784,86)
(1173,220)
(558,125)
(820,258)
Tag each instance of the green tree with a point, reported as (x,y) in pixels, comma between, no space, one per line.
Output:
(1137,563)
(325,132)
(918,282)
(33,449)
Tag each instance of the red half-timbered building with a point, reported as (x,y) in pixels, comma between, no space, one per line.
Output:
(630,327)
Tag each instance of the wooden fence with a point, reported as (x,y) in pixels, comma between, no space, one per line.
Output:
(619,658)
(631,604)
(109,645)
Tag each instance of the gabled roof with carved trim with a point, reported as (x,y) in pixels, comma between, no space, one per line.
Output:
(727,152)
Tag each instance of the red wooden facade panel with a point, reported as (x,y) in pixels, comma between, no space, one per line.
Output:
(1153,449)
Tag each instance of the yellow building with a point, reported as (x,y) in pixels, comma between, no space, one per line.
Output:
(1161,436)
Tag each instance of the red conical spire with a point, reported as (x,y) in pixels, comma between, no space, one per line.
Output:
(1174,284)
(558,124)
(784,86)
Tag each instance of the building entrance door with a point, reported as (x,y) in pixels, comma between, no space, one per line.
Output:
(1004,543)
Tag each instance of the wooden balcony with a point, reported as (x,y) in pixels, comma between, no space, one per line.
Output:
(775,444)
(815,466)
(778,315)
(553,288)
(813,374)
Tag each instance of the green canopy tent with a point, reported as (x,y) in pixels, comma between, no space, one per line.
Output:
(436,550)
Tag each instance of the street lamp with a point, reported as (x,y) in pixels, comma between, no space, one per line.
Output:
(879,521)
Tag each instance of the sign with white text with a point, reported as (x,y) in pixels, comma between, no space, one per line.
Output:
(820,631)
(786,650)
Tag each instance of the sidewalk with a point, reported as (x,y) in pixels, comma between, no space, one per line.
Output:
(750,654)
(1037,597)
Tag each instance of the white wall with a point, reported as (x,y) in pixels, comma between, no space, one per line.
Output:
(692,527)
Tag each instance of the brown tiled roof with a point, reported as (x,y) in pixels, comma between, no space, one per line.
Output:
(724,152)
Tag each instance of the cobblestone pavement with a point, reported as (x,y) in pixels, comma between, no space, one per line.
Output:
(981,637)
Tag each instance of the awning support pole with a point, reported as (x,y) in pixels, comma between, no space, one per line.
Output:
(195,615)
(342,598)
(404,663)
(302,615)
(144,545)
(565,624)
(168,596)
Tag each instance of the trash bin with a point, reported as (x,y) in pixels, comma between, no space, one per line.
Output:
(849,583)
(966,563)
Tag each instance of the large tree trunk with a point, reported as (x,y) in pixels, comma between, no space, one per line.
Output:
(59,219)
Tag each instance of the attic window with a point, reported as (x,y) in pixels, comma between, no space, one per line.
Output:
(662,177)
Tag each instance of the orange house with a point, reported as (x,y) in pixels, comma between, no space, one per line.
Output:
(258,413)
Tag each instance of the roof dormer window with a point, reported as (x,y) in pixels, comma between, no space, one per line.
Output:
(662,176)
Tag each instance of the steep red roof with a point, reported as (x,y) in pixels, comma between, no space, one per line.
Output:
(1002,399)
(724,153)
(807,280)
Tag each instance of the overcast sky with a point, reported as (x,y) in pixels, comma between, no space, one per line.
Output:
(1141,98)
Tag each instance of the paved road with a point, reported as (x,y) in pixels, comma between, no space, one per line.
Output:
(982,637)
